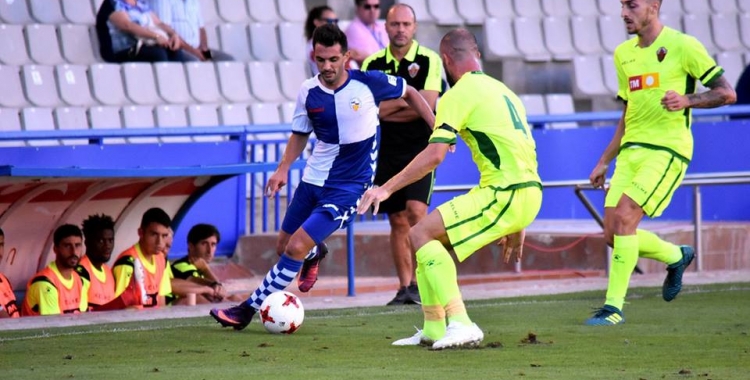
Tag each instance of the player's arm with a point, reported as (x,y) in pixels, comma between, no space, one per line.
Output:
(294,147)
(182,287)
(597,176)
(398,110)
(720,93)
(415,100)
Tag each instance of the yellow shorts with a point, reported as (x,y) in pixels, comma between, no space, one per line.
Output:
(648,176)
(486,214)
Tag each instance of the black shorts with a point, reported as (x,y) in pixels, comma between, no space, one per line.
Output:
(417,191)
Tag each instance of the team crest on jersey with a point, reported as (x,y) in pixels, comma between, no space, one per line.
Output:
(413,69)
(355,103)
(661,53)
(392,80)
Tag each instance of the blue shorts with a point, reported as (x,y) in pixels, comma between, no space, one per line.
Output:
(320,211)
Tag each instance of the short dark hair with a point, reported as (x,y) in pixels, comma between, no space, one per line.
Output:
(329,35)
(97,223)
(65,231)
(314,14)
(202,231)
(156,215)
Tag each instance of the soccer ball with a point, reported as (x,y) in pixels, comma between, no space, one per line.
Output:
(282,313)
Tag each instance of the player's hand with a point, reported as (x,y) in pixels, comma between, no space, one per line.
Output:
(597,175)
(673,101)
(372,197)
(219,292)
(512,243)
(275,183)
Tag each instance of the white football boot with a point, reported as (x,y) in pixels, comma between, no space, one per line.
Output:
(417,339)
(459,335)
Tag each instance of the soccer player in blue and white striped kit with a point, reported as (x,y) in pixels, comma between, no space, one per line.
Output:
(341,107)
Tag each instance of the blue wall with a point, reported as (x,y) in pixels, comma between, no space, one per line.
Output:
(570,154)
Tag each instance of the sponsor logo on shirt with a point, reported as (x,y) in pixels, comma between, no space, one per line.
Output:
(316,110)
(642,82)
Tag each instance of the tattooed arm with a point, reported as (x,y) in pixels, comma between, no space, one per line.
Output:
(720,93)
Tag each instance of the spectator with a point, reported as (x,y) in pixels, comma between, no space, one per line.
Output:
(58,289)
(403,135)
(365,34)
(193,274)
(316,17)
(147,255)
(8,307)
(138,35)
(184,16)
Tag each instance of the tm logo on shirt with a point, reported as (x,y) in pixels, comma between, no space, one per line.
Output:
(642,82)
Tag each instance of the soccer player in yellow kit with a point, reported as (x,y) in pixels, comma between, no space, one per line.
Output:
(657,71)
(491,119)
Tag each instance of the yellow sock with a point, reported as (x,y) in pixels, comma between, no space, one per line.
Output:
(624,259)
(434,314)
(652,247)
(439,272)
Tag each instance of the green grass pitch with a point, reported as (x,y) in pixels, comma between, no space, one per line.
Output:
(703,334)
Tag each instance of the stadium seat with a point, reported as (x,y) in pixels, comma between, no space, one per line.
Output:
(444,12)
(75,43)
(499,9)
(10,121)
(672,20)
(557,37)
(233,114)
(745,30)
(586,35)
(264,44)
(15,12)
(292,38)
(140,85)
(38,119)
(171,82)
(208,11)
(204,115)
(610,75)
(39,85)
(291,76)
(498,39)
(263,81)
(588,80)
(106,84)
(529,39)
(96,4)
(202,82)
(265,10)
(233,82)
(212,37)
(609,8)
(723,6)
(584,7)
(14,46)
(528,8)
(233,38)
(472,11)
(671,7)
(560,104)
(103,117)
(731,62)
(46,11)
(291,10)
(73,84)
(12,90)
(743,6)
(556,8)
(696,7)
(263,114)
(233,11)
(612,31)
(726,32)
(171,116)
(699,26)
(78,11)
(419,6)
(534,104)
(42,44)
(71,118)
(287,112)
(139,117)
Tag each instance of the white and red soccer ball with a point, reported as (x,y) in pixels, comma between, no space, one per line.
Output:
(282,313)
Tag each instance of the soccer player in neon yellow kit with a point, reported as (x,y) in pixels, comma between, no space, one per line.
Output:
(656,73)
(491,119)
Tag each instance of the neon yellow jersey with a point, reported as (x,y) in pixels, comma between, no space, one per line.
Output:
(491,119)
(674,61)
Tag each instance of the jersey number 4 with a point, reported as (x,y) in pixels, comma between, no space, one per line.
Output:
(517,123)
